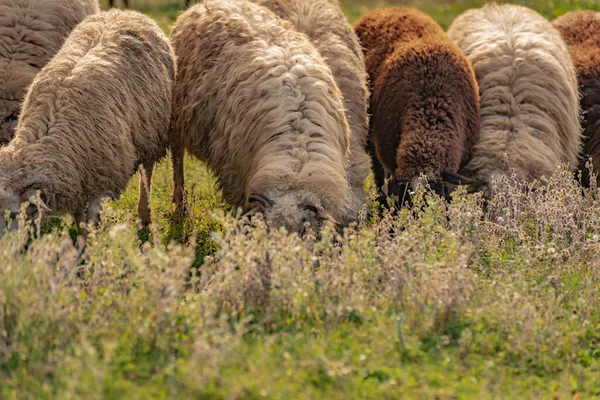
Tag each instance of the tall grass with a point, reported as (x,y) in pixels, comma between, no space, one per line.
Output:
(438,301)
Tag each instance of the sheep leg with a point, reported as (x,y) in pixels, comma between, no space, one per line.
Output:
(177,154)
(126,2)
(80,224)
(360,166)
(378,170)
(111,3)
(145,190)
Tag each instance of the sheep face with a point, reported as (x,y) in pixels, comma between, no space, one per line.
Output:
(291,211)
(10,205)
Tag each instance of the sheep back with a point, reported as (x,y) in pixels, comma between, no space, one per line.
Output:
(96,111)
(31,32)
(528,89)
(256,102)
(581,32)
(424,101)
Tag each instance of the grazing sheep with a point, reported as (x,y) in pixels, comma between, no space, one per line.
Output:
(325,24)
(31,32)
(581,32)
(528,89)
(257,102)
(424,101)
(99,109)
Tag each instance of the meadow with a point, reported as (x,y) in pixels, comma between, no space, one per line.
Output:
(442,302)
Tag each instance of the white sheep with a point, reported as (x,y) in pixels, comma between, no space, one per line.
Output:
(528,89)
(256,101)
(325,24)
(96,111)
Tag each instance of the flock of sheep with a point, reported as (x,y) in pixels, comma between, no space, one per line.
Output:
(287,104)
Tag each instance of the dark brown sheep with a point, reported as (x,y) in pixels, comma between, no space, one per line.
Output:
(424,101)
(581,32)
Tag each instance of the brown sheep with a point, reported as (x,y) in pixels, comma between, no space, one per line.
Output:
(256,101)
(96,111)
(31,32)
(325,24)
(424,101)
(581,32)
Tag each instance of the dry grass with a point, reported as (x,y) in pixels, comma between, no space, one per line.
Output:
(437,302)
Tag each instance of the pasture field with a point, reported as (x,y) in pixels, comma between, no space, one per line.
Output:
(441,303)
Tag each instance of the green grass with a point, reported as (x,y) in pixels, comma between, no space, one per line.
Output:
(441,304)
(444,11)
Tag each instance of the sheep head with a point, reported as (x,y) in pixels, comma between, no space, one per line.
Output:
(443,187)
(292,211)
(10,206)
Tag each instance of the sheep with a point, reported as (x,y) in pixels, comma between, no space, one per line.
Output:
(424,101)
(325,24)
(31,32)
(529,97)
(98,110)
(581,32)
(256,101)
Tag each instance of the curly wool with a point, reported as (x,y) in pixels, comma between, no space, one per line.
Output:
(257,103)
(99,109)
(581,32)
(528,88)
(325,24)
(31,32)
(424,102)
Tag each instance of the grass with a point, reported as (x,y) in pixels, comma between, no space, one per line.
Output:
(444,11)
(440,303)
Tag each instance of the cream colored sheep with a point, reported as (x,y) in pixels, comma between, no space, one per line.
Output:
(528,88)
(326,26)
(99,109)
(257,102)
(31,32)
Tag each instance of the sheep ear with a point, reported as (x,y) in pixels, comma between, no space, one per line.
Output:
(262,201)
(320,213)
(454,178)
(324,215)
(473,189)
(37,200)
